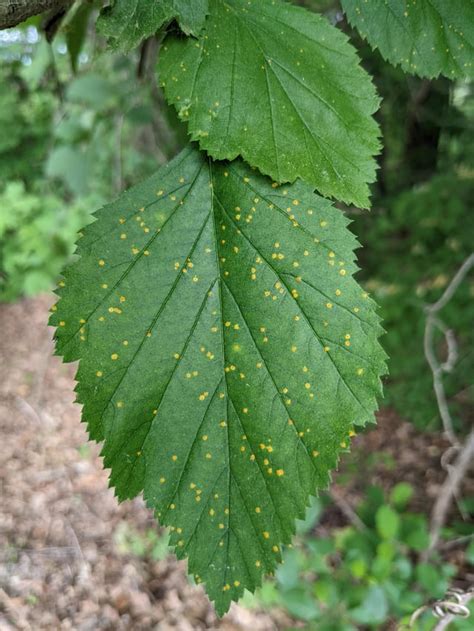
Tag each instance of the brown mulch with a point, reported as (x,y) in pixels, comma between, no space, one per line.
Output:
(61,566)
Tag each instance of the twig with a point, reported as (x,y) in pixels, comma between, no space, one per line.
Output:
(432,322)
(456,472)
(449,610)
(454,604)
(453,285)
(449,489)
(28,410)
(84,568)
(453,543)
(347,510)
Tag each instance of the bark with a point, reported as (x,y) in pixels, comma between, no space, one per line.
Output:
(12,12)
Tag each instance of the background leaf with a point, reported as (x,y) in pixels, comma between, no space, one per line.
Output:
(190,15)
(226,353)
(387,522)
(76,31)
(426,37)
(127,22)
(281,87)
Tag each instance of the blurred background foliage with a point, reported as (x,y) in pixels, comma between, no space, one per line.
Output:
(79,124)
(362,575)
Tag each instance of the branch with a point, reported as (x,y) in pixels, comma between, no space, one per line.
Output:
(457,471)
(449,610)
(12,12)
(347,510)
(432,322)
(450,489)
(453,285)
(453,605)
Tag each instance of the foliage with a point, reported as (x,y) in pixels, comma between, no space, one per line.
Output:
(36,235)
(360,577)
(150,544)
(426,37)
(127,22)
(78,154)
(230,484)
(76,30)
(366,576)
(28,117)
(101,116)
(214,338)
(263,97)
(416,235)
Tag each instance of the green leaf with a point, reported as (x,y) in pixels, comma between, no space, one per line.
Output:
(76,31)
(373,609)
(470,553)
(226,352)
(387,522)
(431,579)
(401,494)
(281,87)
(426,37)
(127,22)
(191,14)
(414,532)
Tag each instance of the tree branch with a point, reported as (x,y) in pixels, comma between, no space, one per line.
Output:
(449,489)
(12,12)
(432,322)
(456,472)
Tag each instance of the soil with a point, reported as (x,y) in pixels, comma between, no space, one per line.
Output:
(62,563)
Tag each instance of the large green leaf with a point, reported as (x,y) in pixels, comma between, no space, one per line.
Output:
(76,31)
(126,22)
(426,37)
(226,354)
(281,87)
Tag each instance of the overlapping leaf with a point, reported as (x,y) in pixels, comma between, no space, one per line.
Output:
(226,354)
(126,22)
(426,37)
(76,31)
(281,87)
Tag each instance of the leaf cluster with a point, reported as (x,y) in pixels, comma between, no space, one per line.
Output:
(226,351)
(366,576)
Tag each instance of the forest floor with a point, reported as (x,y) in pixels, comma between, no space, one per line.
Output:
(63,561)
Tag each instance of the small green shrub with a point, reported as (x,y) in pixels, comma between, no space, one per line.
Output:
(417,235)
(359,577)
(37,234)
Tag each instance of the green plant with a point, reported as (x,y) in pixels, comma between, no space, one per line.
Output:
(37,235)
(149,544)
(226,350)
(363,575)
(415,234)
(87,144)
(28,117)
